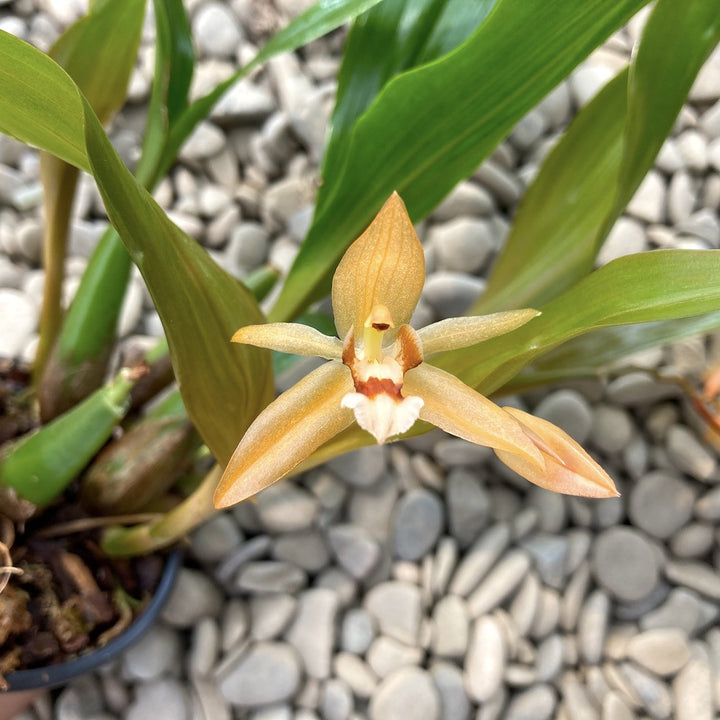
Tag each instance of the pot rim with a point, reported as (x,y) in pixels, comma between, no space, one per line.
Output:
(55,675)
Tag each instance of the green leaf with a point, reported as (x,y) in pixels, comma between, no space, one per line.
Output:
(430,127)
(321,18)
(394,36)
(646,287)
(99,52)
(595,353)
(39,104)
(593,172)
(224,385)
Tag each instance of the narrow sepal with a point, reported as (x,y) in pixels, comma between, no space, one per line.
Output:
(459,410)
(287,432)
(290,338)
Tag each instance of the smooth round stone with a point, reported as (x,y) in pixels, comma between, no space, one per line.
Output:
(270,614)
(356,673)
(680,610)
(463,244)
(247,246)
(612,428)
(549,658)
(418,524)
(312,632)
(688,454)
(454,703)
(535,703)
(204,645)
(549,553)
(466,198)
(568,410)
(155,654)
(193,597)
(503,184)
(663,651)
(397,609)
(693,540)
(386,655)
(626,238)
(18,320)
(653,694)
(486,659)
(681,197)
(556,106)
(353,547)
(500,582)
(592,626)
(216,30)
(467,504)
(648,203)
(306,549)
(407,693)
(451,627)
(524,606)
(204,142)
(361,468)
(285,507)
(216,538)
(336,702)
(372,509)
(625,564)
(451,452)
(698,576)
(81,698)
(587,80)
(357,631)
(266,576)
(163,698)
(267,673)
(479,559)
(661,503)
(693,690)
(451,293)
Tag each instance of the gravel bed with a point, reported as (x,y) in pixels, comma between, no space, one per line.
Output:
(423,579)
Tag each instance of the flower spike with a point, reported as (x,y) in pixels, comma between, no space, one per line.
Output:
(378,377)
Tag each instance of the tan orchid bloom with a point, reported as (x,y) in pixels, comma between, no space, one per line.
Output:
(377,376)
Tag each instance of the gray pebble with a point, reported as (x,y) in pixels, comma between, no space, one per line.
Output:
(454,703)
(361,468)
(253,549)
(479,559)
(577,700)
(354,548)
(216,30)
(626,238)
(624,563)
(535,703)
(312,632)
(693,541)
(417,525)
(337,700)
(653,693)
(462,244)
(386,655)
(524,606)
(155,654)
(568,410)
(467,504)
(247,246)
(592,626)
(708,506)
(451,452)
(556,106)
(638,388)
(648,203)
(500,582)
(372,508)
(663,651)
(612,428)
(244,102)
(549,554)
(549,658)
(693,691)
(357,631)
(681,197)
(529,130)
(270,614)
(688,454)
(356,673)
(698,576)
(205,141)
(587,80)
(680,610)
(397,609)
(306,549)
(451,627)
(451,294)
(267,673)
(18,319)
(204,646)
(285,507)
(501,183)
(466,198)
(80,699)
(407,693)
(661,503)
(193,597)
(615,708)
(444,564)
(216,538)
(270,576)
(234,623)
(340,582)
(163,698)
(486,659)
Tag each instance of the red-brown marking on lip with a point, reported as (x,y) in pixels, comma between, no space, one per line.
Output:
(376,386)
(381,326)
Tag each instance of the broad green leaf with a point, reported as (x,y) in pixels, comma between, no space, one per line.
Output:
(224,386)
(39,104)
(394,36)
(430,127)
(594,353)
(99,52)
(646,287)
(321,18)
(593,172)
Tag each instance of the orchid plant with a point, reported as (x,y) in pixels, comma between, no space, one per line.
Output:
(426,92)
(377,376)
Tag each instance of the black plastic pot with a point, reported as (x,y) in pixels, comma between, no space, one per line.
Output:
(56,675)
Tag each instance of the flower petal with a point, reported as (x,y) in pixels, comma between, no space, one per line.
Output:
(290,338)
(461,332)
(459,410)
(384,266)
(569,469)
(287,432)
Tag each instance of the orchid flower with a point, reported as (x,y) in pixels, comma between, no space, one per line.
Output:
(377,376)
